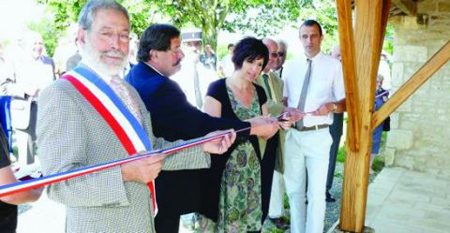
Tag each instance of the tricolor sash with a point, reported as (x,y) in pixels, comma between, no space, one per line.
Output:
(130,133)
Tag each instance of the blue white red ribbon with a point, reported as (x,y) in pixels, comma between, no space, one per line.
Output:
(23,186)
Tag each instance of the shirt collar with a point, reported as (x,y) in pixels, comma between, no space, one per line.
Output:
(316,58)
(154,69)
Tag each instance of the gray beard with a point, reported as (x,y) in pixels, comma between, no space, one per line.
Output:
(91,57)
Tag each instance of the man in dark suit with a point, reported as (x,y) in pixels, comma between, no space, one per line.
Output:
(173,118)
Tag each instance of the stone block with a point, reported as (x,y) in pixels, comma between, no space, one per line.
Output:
(385,225)
(389,158)
(411,53)
(431,225)
(406,106)
(411,196)
(397,74)
(405,161)
(395,120)
(443,6)
(426,6)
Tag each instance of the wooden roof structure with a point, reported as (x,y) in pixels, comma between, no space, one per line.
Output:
(360,58)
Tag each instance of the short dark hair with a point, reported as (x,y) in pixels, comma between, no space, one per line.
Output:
(156,37)
(230,45)
(311,23)
(250,49)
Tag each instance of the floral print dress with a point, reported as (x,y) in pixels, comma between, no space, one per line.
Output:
(240,192)
(240,188)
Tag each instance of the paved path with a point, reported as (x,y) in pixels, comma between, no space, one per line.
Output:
(402,201)
(399,201)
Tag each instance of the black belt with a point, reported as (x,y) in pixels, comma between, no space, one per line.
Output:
(315,127)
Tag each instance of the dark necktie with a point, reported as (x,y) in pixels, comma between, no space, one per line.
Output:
(266,82)
(302,100)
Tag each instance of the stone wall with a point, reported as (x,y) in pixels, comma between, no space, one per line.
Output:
(420,129)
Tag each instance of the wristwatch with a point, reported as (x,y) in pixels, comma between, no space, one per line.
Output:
(334,107)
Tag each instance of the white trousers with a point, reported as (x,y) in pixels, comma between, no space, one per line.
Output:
(276,207)
(307,157)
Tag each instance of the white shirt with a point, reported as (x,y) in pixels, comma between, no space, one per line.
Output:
(32,74)
(384,70)
(227,65)
(326,85)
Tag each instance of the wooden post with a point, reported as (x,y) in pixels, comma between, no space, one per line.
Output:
(346,42)
(371,19)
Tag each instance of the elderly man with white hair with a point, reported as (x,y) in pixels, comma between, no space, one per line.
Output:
(91,116)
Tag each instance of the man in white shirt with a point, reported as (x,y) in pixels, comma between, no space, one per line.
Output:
(226,66)
(315,86)
(33,72)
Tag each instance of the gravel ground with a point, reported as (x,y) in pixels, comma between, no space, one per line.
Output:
(333,210)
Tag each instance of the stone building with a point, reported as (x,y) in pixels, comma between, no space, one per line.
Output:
(420,129)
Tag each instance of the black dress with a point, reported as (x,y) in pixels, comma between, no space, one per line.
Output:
(8,213)
(213,176)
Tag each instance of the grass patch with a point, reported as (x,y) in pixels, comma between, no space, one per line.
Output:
(378,163)
(378,160)
(15,151)
(341,154)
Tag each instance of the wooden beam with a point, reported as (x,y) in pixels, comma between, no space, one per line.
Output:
(347,47)
(384,21)
(407,89)
(370,20)
(407,6)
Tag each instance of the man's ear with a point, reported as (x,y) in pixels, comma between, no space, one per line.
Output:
(81,36)
(152,54)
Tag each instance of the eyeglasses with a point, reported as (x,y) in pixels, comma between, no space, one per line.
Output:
(110,36)
(274,54)
(281,54)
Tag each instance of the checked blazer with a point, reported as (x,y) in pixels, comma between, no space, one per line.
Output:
(71,134)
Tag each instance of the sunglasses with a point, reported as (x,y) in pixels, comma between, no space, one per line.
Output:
(281,54)
(274,54)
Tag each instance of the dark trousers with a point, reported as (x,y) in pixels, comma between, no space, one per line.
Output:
(167,224)
(336,133)
(177,193)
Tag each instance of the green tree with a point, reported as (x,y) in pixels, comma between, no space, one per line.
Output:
(65,12)
(261,16)
(230,15)
(324,12)
(48,32)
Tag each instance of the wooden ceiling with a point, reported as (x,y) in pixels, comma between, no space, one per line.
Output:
(402,7)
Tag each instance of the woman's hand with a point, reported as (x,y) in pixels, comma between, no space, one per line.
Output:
(284,121)
(264,126)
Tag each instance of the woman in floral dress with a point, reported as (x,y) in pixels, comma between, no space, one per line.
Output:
(234,200)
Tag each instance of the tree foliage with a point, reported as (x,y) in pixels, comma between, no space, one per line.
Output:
(324,12)
(261,16)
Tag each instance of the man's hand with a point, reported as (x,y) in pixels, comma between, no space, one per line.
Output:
(294,114)
(325,109)
(143,170)
(219,145)
(263,126)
